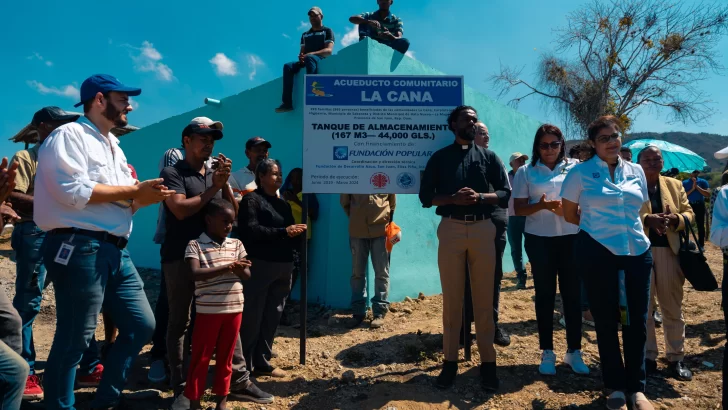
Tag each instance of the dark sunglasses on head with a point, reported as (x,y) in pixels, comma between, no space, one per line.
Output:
(603,139)
(554,145)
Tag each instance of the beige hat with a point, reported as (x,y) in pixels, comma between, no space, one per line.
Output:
(317,10)
(204,122)
(517,155)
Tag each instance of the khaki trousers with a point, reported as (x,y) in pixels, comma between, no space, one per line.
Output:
(472,244)
(667,285)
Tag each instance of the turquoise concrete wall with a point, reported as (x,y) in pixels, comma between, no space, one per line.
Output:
(250,113)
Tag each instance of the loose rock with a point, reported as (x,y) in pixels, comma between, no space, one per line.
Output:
(407,311)
(348,376)
(407,299)
(421,296)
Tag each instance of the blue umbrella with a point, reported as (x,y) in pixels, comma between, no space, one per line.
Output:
(674,155)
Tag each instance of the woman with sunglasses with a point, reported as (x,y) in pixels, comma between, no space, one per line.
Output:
(610,193)
(549,245)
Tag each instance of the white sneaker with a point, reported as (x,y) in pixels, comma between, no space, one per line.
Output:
(548,363)
(574,360)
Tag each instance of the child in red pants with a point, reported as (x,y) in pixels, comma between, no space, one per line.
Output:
(218,265)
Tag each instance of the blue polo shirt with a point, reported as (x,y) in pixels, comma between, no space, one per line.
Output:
(695,196)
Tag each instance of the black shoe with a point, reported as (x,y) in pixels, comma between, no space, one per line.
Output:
(447,375)
(658,318)
(680,371)
(521,284)
(355,321)
(489,377)
(651,367)
(249,391)
(284,108)
(501,338)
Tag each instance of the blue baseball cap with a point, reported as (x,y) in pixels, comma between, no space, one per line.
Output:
(104,83)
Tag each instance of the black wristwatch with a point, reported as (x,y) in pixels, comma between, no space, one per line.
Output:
(480,198)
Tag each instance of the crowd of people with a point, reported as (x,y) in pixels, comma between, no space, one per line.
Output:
(600,229)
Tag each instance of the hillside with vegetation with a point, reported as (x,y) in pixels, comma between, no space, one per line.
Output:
(702,144)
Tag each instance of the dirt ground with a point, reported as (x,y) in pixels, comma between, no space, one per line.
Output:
(394,367)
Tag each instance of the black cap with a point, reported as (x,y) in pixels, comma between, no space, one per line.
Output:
(256,141)
(201,130)
(52,114)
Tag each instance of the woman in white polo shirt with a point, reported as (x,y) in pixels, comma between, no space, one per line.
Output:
(549,244)
(610,192)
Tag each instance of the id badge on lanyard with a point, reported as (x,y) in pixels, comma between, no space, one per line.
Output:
(65,251)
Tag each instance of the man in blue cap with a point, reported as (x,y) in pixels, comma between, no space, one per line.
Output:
(27,239)
(85,198)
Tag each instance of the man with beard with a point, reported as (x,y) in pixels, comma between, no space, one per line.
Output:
(85,198)
(27,239)
(242,181)
(195,184)
(458,180)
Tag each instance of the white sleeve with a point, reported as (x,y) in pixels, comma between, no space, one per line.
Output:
(719,226)
(63,166)
(520,184)
(572,187)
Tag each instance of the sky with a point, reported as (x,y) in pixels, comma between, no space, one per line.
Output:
(183,51)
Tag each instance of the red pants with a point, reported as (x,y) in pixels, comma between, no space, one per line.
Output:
(212,332)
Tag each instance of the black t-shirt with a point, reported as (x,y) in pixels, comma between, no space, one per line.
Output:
(657,241)
(316,40)
(189,182)
(262,222)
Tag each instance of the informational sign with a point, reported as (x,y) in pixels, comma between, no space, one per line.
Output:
(374,134)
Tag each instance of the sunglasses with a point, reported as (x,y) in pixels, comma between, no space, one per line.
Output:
(603,139)
(554,145)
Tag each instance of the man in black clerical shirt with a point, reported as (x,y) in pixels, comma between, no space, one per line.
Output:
(464,181)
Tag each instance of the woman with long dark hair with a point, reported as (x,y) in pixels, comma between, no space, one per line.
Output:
(270,235)
(549,244)
(610,193)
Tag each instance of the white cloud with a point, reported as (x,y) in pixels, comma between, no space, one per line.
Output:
(286,35)
(148,60)
(65,91)
(351,36)
(305,25)
(134,104)
(37,56)
(253,63)
(223,65)
(411,54)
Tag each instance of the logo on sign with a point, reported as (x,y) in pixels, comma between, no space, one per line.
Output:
(341,153)
(405,180)
(379,180)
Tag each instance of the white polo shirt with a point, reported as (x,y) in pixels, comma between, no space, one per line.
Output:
(71,161)
(610,210)
(531,182)
(242,182)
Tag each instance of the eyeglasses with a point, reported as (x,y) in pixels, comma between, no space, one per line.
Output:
(603,139)
(554,145)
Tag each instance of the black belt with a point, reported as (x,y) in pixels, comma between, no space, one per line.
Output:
(117,241)
(470,218)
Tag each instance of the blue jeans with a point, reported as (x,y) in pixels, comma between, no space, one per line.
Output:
(361,248)
(98,273)
(291,69)
(516,227)
(600,271)
(29,286)
(13,373)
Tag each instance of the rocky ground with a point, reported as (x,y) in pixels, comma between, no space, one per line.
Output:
(394,367)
